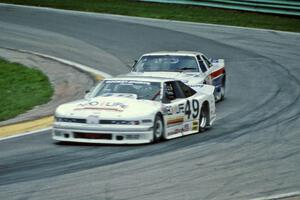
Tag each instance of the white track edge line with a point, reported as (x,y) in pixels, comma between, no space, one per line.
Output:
(279,196)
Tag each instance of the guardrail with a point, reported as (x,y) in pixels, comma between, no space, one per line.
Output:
(282,7)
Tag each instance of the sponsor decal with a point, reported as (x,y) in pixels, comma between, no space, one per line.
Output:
(96,105)
(171,110)
(186,127)
(175,121)
(195,123)
(99,108)
(180,130)
(190,109)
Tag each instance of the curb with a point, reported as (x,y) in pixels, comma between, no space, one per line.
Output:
(45,123)
(21,128)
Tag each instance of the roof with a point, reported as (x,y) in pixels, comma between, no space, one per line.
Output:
(182,53)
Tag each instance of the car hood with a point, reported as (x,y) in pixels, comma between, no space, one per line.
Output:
(186,77)
(109,108)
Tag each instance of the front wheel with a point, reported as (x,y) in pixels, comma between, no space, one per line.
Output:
(158,128)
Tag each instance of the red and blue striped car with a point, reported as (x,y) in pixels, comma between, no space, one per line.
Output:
(192,68)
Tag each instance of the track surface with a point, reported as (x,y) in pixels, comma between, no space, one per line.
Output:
(252,150)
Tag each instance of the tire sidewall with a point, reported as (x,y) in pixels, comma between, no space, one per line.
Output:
(203,114)
(161,136)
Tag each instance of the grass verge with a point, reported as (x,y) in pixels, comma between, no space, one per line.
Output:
(21,89)
(172,11)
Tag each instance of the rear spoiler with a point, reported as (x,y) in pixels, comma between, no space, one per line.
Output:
(219,63)
(204,89)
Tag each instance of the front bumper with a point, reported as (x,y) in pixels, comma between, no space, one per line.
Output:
(120,134)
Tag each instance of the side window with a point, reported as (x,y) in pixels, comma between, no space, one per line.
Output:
(172,91)
(201,64)
(169,91)
(187,91)
(207,62)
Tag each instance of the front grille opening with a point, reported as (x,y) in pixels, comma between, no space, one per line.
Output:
(120,122)
(94,136)
(71,120)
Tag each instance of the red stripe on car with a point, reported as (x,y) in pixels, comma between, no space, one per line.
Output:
(217,73)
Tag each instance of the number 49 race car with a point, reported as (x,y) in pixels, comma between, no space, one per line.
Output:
(190,67)
(132,110)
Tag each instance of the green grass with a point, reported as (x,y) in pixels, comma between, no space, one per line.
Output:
(21,89)
(172,11)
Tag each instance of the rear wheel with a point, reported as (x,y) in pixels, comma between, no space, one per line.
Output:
(223,89)
(203,119)
(158,128)
(220,95)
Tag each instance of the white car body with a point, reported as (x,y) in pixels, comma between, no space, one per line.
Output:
(206,71)
(121,118)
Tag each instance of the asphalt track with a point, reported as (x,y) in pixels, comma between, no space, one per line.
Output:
(253,149)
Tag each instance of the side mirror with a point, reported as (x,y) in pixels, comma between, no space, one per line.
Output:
(133,65)
(88,93)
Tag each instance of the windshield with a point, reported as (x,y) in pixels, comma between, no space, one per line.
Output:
(166,63)
(131,89)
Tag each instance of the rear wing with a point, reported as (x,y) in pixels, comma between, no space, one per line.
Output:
(218,63)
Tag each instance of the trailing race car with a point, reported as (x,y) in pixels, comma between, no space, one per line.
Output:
(192,68)
(131,110)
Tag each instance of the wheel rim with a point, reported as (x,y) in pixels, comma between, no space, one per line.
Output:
(203,120)
(158,129)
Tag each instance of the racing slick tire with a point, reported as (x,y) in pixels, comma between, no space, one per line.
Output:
(223,89)
(158,128)
(220,95)
(204,118)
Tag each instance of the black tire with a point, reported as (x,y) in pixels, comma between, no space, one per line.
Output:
(219,96)
(223,88)
(158,128)
(203,119)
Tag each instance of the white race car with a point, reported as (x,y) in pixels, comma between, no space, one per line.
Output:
(190,67)
(131,110)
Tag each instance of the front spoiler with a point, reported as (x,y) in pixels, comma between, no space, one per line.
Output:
(117,137)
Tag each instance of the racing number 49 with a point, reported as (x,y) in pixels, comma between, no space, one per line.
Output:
(192,108)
